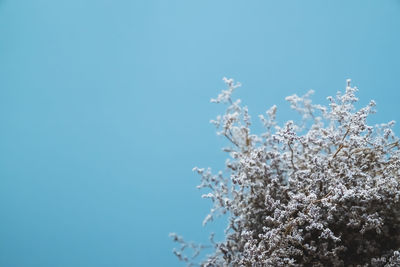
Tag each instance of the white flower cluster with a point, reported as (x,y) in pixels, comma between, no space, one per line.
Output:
(324,192)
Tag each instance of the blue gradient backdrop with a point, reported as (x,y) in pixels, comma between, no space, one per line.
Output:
(104,110)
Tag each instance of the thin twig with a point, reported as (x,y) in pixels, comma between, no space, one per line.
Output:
(392,145)
(347,132)
(291,156)
(341,145)
(337,151)
(230,139)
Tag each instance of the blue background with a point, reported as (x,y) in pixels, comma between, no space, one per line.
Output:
(104,110)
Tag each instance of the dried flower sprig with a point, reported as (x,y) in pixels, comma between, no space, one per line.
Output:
(323,195)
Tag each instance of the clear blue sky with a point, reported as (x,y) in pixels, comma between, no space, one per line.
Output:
(104,110)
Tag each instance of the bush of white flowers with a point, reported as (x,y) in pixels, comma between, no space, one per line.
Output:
(321,192)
